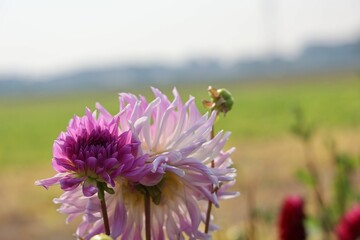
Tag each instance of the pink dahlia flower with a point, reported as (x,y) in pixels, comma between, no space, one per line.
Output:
(349,226)
(177,139)
(291,219)
(93,150)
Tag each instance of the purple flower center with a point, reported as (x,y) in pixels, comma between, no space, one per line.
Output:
(96,157)
(100,144)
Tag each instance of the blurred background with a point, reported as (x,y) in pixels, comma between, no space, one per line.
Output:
(277,57)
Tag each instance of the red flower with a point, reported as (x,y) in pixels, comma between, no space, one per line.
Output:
(349,226)
(291,219)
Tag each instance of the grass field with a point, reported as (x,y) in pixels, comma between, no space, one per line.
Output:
(266,154)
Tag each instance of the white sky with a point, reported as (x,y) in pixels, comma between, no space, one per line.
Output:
(48,36)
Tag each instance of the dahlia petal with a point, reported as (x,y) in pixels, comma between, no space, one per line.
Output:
(90,121)
(46,183)
(126,149)
(191,133)
(80,165)
(65,164)
(208,172)
(172,230)
(228,195)
(158,161)
(138,174)
(161,126)
(117,171)
(194,112)
(180,125)
(104,113)
(197,179)
(194,213)
(69,182)
(91,164)
(177,99)
(139,123)
(89,189)
(110,163)
(189,149)
(119,220)
(124,138)
(140,161)
(106,177)
(177,171)
(151,179)
(128,159)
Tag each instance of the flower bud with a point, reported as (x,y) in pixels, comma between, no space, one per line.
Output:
(291,219)
(221,100)
(349,226)
(101,237)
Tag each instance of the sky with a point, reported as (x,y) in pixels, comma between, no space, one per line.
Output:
(47,37)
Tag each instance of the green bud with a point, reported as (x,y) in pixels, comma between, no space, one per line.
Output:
(221,100)
(101,237)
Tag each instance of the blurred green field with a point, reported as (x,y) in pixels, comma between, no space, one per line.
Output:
(29,124)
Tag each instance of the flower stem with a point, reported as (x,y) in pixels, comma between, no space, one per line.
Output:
(147,216)
(208,215)
(105,216)
(101,195)
(208,212)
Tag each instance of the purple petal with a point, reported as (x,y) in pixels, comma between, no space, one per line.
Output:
(177,171)
(64,163)
(141,160)
(117,171)
(107,178)
(119,220)
(194,213)
(46,183)
(91,164)
(89,189)
(68,182)
(125,138)
(151,179)
(80,165)
(104,113)
(110,163)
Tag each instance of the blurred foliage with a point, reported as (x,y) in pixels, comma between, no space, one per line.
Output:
(301,127)
(305,177)
(343,189)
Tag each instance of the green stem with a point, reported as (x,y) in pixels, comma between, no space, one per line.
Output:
(147,216)
(325,220)
(208,212)
(101,195)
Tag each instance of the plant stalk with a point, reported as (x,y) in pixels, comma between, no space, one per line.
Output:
(147,216)
(104,210)
(324,221)
(208,212)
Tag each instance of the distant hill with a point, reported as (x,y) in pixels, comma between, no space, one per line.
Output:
(314,58)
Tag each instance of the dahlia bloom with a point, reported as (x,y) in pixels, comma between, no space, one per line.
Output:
(177,140)
(93,150)
(349,226)
(291,219)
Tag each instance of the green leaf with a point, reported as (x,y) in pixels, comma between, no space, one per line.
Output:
(155,194)
(153,191)
(109,190)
